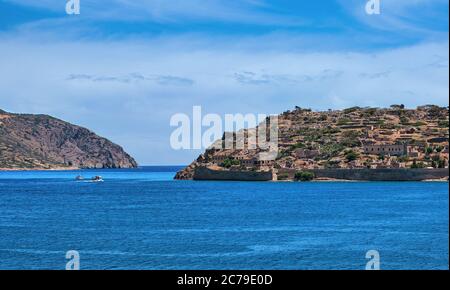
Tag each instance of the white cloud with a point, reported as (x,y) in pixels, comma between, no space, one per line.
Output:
(133,78)
(127,88)
(140,84)
(170,11)
(403,16)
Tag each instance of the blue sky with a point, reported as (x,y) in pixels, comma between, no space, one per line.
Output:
(123,68)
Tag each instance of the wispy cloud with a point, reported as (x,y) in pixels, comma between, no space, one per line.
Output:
(163,11)
(403,16)
(254,78)
(332,23)
(133,78)
(124,67)
(376,75)
(173,75)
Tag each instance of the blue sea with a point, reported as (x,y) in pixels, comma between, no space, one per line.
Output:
(143,219)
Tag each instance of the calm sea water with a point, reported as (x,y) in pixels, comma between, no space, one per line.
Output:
(142,219)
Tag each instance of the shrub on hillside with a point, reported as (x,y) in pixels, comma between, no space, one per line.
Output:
(304,176)
(227,163)
(351,155)
(283,176)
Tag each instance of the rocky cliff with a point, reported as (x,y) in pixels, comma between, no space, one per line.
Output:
(43,142)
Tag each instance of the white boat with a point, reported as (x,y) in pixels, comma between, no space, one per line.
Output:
(97,179)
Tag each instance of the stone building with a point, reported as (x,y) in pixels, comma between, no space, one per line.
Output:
(306,153)
(385,149)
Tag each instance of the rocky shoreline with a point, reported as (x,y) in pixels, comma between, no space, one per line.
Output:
(394,143)
(323,175)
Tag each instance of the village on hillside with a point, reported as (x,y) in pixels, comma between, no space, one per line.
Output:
(353,138)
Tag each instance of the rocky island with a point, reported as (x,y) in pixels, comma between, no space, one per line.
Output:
(32,142)
(393,143)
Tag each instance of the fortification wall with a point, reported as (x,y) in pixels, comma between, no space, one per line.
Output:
(203,173)
(394,174)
